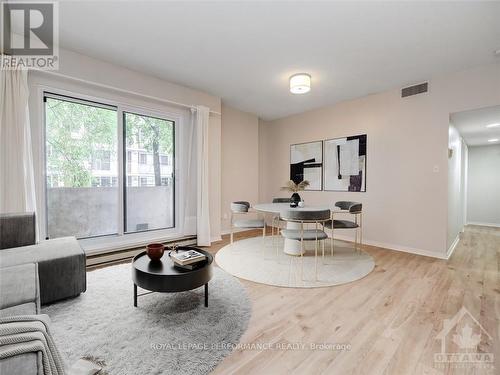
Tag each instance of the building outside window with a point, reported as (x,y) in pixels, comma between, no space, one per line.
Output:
(87,168)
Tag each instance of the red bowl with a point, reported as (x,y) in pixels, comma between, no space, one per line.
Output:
(155,251)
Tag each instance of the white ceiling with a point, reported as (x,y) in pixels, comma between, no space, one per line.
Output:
(245,52)
(472,125)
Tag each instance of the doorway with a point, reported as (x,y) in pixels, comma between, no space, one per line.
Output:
(473,172)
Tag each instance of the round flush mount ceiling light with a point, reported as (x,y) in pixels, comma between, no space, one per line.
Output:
(300,83)
(496,125)
(493,140)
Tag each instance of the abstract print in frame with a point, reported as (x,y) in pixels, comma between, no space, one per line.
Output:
(345,164)
(306,163)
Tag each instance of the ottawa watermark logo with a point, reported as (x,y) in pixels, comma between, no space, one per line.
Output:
(29,35)
(464,343)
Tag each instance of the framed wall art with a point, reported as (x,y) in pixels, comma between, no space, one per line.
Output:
(345,164)
(306,163)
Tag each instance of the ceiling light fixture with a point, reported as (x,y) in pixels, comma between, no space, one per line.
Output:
(300,83)
(493,125)
(493,140)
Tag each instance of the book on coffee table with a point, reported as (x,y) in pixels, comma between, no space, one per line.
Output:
(185,258)
(189,267)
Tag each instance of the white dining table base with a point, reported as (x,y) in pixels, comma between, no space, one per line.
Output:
(292,247)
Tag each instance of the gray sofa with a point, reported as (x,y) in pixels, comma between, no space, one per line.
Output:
(60,261)
(20,295)
(34,274)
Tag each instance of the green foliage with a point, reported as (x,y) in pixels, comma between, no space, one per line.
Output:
(149,132)
(77,134)
(74,133)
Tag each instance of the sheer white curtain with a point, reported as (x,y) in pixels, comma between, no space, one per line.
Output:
(17,184)
(202,207)
(188,174)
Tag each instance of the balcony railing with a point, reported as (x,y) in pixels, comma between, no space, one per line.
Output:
(93,211)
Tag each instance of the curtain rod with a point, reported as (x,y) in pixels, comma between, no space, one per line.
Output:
(102,85)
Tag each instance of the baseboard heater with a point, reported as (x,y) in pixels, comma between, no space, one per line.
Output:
(124,255)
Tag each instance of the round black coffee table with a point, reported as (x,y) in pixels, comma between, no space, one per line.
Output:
(161,275)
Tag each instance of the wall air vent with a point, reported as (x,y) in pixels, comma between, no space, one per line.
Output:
(414,90)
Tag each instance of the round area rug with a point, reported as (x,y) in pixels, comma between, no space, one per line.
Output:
(168,333)
(256,260)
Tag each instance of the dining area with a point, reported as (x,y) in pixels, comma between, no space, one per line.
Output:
(300,249)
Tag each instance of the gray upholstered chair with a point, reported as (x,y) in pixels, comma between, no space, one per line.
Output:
(281,200)
(306,216)
(275,223)
(353,208)
(242,208)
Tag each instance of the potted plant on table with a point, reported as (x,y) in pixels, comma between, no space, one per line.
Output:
(295,188)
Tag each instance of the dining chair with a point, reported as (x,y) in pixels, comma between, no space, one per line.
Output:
(241,208)
(316,217)
(282,200)
(353,208)
(275,222)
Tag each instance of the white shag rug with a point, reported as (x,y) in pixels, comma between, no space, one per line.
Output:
(168,333)
(256,260)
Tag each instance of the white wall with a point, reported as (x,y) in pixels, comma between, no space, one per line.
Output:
(92,77)
(456,186)
(483,195)
(406,202)
(240,159)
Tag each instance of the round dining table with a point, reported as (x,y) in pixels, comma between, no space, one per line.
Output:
(291,247)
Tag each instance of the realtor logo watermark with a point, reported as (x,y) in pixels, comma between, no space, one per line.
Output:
(261,346)
(461,339)
(29,35)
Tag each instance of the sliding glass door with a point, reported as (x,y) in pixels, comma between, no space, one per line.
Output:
(82,169)
(108,171)
(149,154)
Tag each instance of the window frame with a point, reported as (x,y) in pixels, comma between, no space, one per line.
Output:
(141,156)
(165,158)
(77,100)
(102,160)
(174,156)
(108,242)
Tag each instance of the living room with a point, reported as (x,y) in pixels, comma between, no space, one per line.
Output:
(315,192)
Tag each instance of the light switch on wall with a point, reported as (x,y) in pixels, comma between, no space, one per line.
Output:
(436,169)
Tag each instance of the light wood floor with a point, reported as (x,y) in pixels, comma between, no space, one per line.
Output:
(390,318)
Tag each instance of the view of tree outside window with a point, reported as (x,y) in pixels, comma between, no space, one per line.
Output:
(80,139)
(150,150)
(82,170)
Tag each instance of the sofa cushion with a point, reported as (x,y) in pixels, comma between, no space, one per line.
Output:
(25,364)
(28,308)
(45,250)
(61,266)
(17,230)
(19,285)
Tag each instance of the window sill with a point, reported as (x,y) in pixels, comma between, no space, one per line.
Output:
(108,244)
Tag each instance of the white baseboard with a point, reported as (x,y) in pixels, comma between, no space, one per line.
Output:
(453,246)
(494,225)
(236,230)
(388,246)
(215,239)
(405,249)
